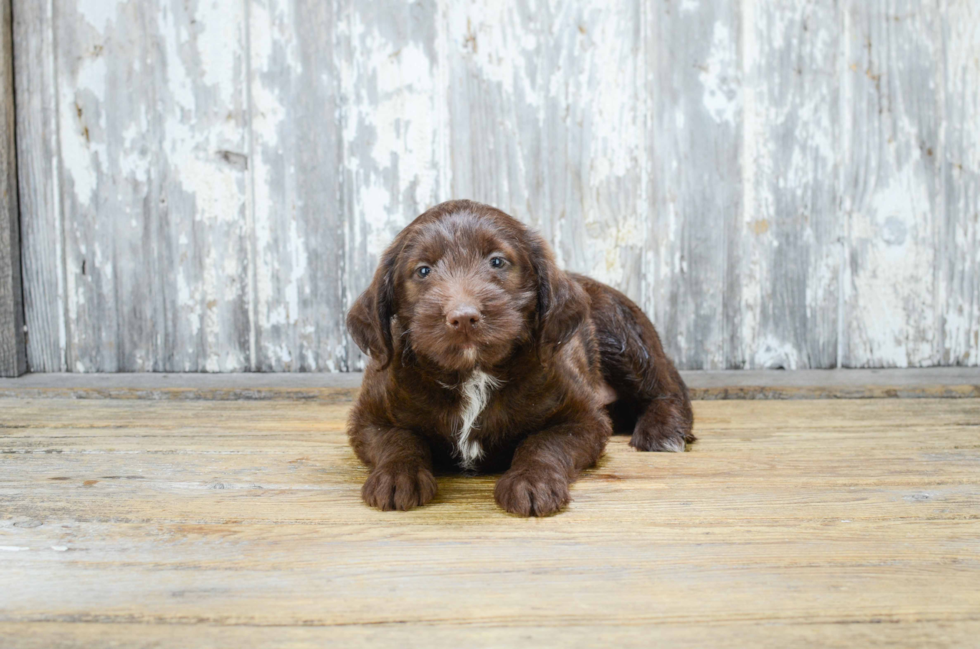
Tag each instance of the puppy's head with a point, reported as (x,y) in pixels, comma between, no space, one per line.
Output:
(462,286)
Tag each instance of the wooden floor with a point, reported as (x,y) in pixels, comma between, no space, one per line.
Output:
(202,523)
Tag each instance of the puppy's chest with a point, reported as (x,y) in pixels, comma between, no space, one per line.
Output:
(471,423)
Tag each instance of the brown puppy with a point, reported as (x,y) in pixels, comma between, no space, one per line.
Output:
(485,356)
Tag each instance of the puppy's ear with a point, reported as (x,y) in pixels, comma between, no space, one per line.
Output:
(562,303)
(369,320)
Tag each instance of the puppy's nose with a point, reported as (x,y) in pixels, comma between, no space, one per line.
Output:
(463,319)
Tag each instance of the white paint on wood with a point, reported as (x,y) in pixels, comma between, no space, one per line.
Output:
(691,288)
(722,91)
(959,256)
(296,151)
(393,154)
(208,186)
(788,235)
(892,193)
(151,122)
(547,123)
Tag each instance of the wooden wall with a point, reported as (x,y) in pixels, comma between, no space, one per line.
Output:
(13,355)
(206,184)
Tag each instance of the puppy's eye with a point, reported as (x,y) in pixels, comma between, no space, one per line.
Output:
(498,262)
(423,271)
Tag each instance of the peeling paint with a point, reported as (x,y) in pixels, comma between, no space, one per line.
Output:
(721,87)
(99,13)
(779,185)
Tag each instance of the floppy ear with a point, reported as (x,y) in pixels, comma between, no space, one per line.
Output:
(562,303)
(369,320)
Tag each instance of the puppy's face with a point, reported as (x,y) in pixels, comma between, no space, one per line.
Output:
(461,287)
(465,290)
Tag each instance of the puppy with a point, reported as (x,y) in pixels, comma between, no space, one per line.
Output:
(486,357)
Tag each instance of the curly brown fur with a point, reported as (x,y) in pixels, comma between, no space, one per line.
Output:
(485,356)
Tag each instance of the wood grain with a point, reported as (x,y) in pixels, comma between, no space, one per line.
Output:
(154,523)
(959,247)
(692,290)
(43,253)
(554,131)
(207,188)
(148,105)
(789,235)
(893,196)
(59,635)
(298,282)
(927,383)
(13,354)
(395,157)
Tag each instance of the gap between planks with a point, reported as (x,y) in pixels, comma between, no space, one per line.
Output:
(941,382)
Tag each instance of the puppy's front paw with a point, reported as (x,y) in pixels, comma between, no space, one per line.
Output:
(536,491)
(398,487)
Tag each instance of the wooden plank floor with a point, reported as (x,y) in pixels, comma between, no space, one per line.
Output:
(905,383)
(195,523)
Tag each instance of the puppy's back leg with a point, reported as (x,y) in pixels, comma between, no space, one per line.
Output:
(666,420)
(653,400)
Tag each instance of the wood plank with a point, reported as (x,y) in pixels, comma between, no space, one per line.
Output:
(817,522)
(959,250)
(299,229)
(841,633)
(13,354)
(944,382)
(40,195)
(395,157)
(547,118)
(789,260)
(893,198)
(691,289)
(152,118)
(757,176)
(497,132)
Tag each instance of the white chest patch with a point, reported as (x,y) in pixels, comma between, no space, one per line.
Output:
(476,394)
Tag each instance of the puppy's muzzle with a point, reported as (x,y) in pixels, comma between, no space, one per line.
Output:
(463,320)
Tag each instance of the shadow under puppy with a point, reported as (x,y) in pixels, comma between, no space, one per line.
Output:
(486,357)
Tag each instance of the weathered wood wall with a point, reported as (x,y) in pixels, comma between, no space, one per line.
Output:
(13,354)
(206,184)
